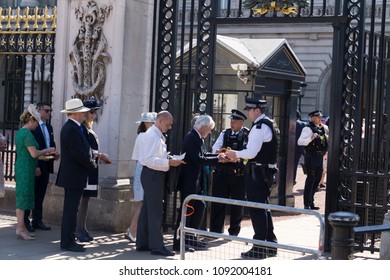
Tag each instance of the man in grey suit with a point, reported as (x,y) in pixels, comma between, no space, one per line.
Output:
(76,161)
(154,159)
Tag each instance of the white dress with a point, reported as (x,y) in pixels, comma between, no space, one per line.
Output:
(137,186)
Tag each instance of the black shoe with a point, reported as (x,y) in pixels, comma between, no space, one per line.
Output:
(197,245)
(176,247)
(272,252)
(233,232)
(74,248)
(41,226)
(82,235)
(162,252)
(83,238)
(79,245)
(142,249)
(29,228)
(322,186)
(86,233)
(255,253)
(313,207)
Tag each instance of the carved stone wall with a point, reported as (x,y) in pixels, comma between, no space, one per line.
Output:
(89,54)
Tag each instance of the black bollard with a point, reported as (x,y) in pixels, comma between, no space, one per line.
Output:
(343,235)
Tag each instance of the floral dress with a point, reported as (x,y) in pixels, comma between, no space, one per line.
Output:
(25,166)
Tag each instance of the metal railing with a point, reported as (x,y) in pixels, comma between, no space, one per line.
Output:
(183,230)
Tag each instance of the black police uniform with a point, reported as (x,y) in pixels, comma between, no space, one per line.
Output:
(259,177)
(228,182)
(314,156)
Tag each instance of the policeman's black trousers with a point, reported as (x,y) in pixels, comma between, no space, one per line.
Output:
(227,186)
(258,191)
(314,167)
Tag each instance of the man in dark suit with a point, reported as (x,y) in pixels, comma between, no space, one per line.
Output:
(76,161)
(44,136)
(196,157)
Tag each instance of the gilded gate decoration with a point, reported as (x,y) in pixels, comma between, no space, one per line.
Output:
(28,31)
(27,37)
(89,56)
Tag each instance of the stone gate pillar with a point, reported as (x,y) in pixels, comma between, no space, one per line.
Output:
(103,49)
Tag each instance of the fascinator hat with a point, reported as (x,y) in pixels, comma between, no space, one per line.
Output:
(32,109)
(92,104)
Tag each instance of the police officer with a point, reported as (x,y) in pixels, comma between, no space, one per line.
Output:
(261,151)
(229,177)
(315,140)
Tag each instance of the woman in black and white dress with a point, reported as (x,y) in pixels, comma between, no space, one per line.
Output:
(91,190)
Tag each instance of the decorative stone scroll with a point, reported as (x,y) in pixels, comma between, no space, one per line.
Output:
(89,55)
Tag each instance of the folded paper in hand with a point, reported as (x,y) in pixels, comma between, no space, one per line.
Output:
(178,157)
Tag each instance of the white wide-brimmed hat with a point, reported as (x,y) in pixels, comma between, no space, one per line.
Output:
(74,106)
(147,117)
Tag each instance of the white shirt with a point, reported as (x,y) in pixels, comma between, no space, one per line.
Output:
(153,151)
(307,134)
(219,142)
(256,138)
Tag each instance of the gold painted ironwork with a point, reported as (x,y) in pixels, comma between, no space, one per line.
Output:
(287,7)
(27,30)
(19,22)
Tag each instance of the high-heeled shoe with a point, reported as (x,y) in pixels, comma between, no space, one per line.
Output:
(23,235)
(129,236)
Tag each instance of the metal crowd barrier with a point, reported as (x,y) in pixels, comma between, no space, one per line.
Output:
(183,230)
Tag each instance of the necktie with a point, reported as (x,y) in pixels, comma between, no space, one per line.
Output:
(45,135)
(82,131)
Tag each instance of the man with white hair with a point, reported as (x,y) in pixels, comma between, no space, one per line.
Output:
(196,157)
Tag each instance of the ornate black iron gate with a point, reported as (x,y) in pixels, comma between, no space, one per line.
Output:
(26,72)
(358,166)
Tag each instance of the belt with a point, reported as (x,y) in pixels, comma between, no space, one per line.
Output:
(264,165)
(316,153)
(233,171)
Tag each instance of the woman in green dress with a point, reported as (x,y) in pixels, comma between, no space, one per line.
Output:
(27,154)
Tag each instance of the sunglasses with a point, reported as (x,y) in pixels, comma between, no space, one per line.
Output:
(48,110)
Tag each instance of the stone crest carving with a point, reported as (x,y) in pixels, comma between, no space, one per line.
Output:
(89,55)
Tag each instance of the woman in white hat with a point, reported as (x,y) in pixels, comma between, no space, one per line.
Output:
(146,121)
(25,167)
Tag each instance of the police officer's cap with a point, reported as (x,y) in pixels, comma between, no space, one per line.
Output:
(253,103)
(316,113)
(237,115)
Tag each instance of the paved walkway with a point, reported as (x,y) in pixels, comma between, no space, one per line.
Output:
(114,247)
(297,230)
